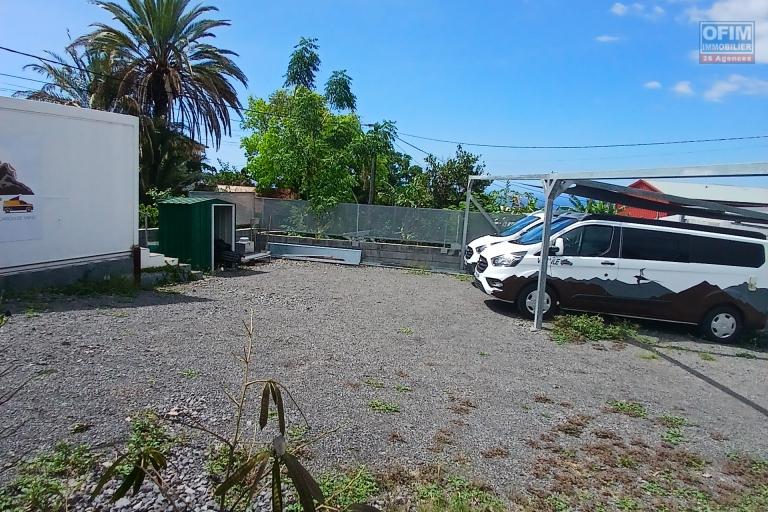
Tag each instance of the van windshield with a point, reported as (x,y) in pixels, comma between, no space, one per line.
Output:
(519,225)
(534,235)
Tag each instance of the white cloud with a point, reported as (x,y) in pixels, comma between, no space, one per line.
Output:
(637,9)
(606,39)
(736,84)
(619,9)
(739,10)
(653,84)
(683,88)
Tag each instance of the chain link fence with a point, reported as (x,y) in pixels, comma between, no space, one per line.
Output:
(362,221)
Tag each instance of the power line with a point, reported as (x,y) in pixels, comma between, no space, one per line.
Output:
(411,145)
(587,146)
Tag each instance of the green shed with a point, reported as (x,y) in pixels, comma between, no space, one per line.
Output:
(188,227)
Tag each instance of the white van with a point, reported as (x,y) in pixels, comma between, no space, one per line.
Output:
(521,226)
(714,277)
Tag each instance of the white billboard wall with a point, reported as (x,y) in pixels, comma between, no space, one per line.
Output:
(68,185)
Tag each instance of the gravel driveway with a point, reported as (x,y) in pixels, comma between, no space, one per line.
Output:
(471,380)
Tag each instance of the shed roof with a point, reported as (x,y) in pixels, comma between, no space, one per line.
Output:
(709,192)
(192,200)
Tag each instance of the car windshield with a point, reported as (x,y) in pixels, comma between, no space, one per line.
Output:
(534,235)
(519,225)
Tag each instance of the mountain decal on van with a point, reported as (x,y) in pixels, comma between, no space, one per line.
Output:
(10,184)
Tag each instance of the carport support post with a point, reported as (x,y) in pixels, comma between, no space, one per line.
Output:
(466,223)
(552,189)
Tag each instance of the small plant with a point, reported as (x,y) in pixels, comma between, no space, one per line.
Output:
(382,406)
(742,354)
(626,503)
(31,312)
(706,356)
(344,490)
(418,271)
(3,319)
(189,373)
(654,489)
(632,409)
(483,354)
(238,464)
(465,278)
(405,330)
(455,494)
(672,421)
(581,328)
(673,436)
(402,388)
(648,355)
(48,481)
(297,432)
(625,461)
(376,384)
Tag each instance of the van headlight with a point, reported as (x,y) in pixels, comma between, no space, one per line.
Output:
(481,248)
(508,260)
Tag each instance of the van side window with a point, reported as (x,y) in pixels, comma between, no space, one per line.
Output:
(645,244)
(716,251)
(588,241)
(641,244)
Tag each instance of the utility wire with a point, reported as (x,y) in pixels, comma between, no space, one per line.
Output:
(411,145)
(447,141)
(587,146)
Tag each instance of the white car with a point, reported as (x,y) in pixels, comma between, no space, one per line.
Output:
(478,245)
(713,277)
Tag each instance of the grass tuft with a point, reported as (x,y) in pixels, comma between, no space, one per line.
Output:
(382,406)
(632,409)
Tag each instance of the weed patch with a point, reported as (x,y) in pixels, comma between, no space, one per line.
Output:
(465,278)
(582,328)
(405,330)
(47,482)
(382,406)
(632,409)
(672,421)
(706,356)
(342,489)
(373,383)
(648,355)
(673,436)
(402,388)
(189,373)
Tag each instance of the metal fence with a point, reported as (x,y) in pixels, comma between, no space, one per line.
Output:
(362,221)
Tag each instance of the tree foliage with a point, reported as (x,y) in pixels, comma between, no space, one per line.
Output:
(448,179)
(303,65)
(591,206)
(338,91)
(167,66)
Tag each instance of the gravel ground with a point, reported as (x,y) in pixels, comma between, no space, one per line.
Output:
(479,379)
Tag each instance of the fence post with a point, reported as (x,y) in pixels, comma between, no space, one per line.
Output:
(466,222)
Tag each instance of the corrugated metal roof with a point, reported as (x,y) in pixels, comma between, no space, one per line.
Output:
(188,200)
(708,192)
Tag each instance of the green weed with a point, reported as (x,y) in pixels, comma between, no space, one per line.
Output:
(382,406)
(648,355)
(742,354)
(402,388)
(464,277)
(581,328)
(673,436)
(189,373)
(483,354)
(343,490)
(632,409)
(455,494)
(46,482)
(297,432)
(672,421)
(706,356)
(405,330)
(418,271)
(376,384)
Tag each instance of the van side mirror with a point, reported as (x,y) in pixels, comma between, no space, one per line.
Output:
(557,247)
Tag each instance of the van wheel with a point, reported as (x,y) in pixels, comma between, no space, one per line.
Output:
(526,301)
(722,324)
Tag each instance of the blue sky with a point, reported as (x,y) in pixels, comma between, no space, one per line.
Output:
(541,72)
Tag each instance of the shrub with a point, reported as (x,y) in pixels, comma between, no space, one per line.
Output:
(580,328)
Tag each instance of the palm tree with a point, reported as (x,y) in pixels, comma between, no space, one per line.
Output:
(82,78)
(167,66)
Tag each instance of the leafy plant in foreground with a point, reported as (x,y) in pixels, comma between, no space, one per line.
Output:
(240,465)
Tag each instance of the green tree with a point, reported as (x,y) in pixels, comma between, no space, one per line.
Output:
(168,67)
(338,91)
(303,65)
(591,206)
(169,160)
(79,78)
(448,179)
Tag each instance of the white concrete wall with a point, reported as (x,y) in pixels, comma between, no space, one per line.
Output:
(82,166)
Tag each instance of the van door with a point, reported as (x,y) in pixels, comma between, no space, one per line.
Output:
(589,260)
(653,268)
